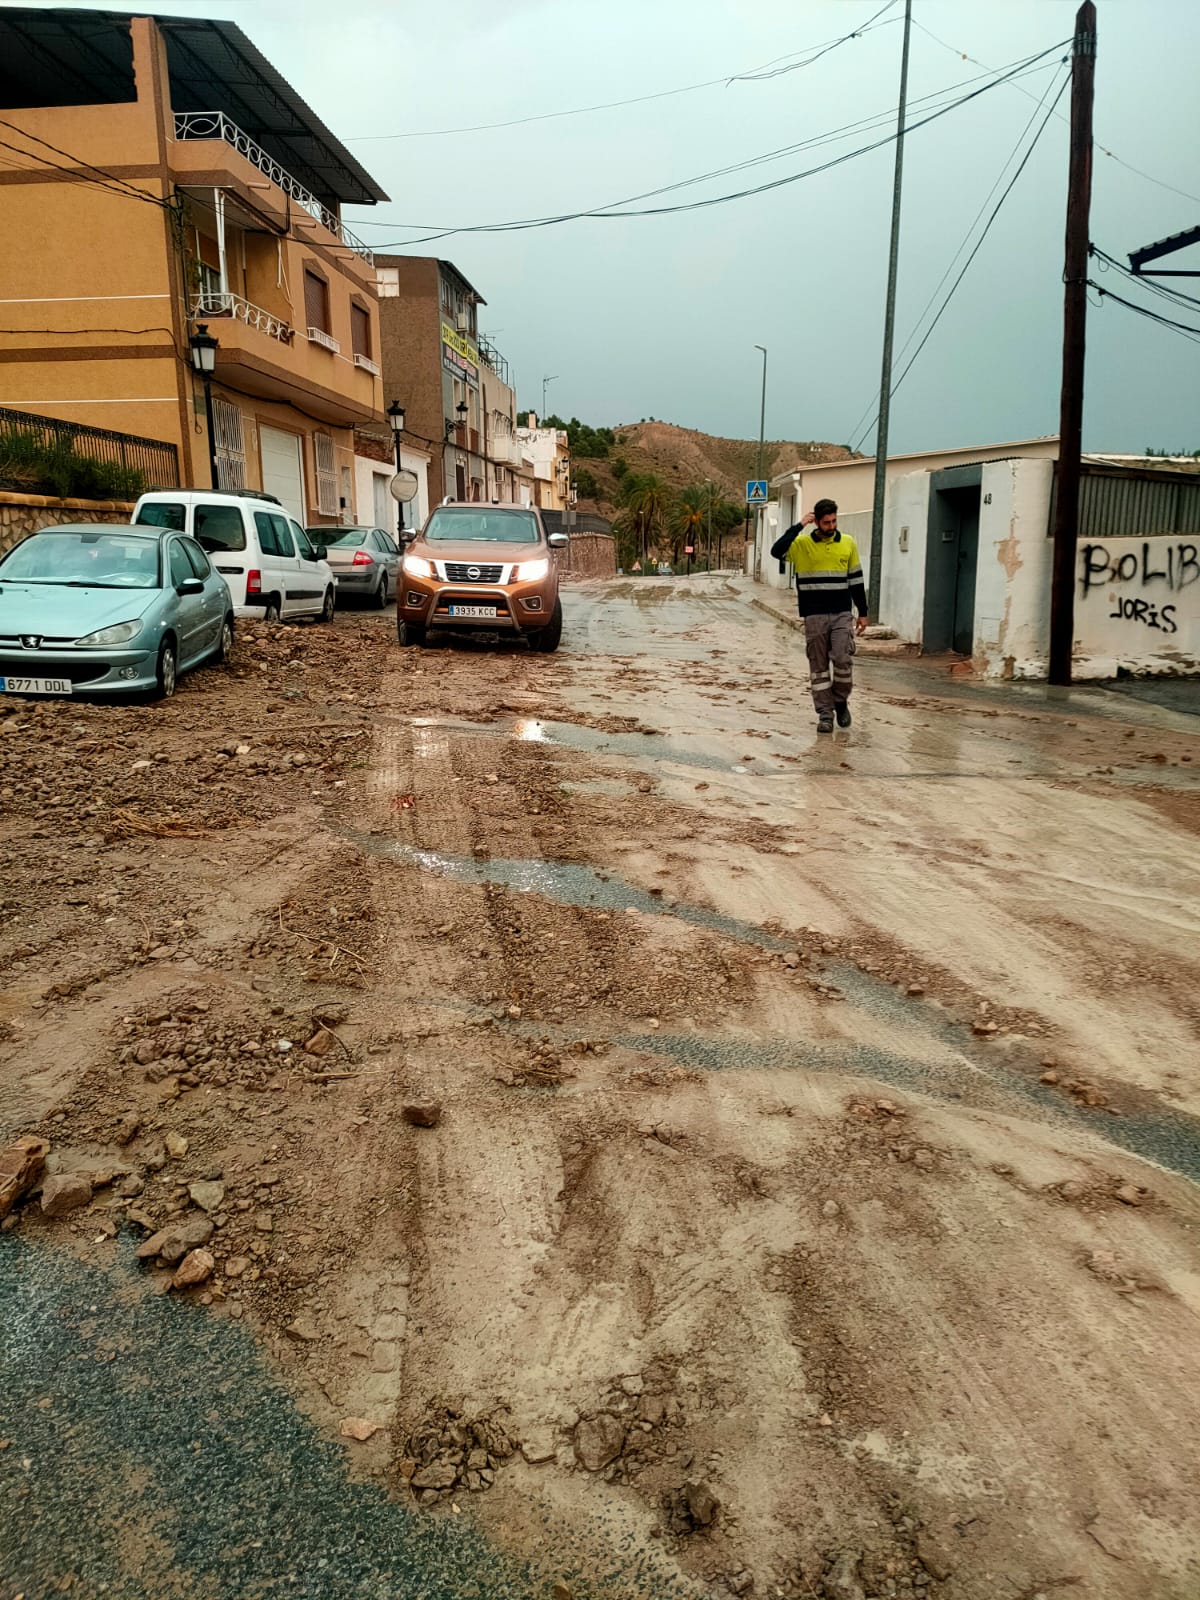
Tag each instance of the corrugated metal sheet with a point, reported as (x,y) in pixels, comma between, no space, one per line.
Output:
(1115,504)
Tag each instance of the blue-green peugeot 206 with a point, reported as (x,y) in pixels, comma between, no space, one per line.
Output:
(104,609)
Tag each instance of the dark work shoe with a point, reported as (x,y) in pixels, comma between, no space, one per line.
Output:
(843,715)
(825,724)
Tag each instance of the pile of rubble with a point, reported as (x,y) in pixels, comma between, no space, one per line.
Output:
(451,1451)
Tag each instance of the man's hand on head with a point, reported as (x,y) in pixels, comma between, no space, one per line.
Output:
(861,625)
(806,519)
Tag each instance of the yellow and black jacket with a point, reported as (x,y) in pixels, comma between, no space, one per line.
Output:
(828,571)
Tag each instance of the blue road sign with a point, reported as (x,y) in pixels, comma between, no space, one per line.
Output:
(756,491)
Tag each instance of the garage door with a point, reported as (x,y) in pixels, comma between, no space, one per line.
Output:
(282,472)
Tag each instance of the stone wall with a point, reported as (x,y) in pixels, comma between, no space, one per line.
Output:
(589,555)
(22,514)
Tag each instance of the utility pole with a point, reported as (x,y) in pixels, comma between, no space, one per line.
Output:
(710,525)
(1070,425)
(553,378)
(889,326)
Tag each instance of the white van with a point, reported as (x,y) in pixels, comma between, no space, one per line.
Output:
(272,567)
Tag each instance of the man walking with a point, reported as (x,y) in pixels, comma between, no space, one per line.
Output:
(829,577)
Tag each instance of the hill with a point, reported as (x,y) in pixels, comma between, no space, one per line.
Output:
(683,456)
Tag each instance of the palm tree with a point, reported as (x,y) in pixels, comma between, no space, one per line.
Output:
(646,510)
(691,510)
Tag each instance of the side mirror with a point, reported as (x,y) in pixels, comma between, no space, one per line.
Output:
(408,536)
(190,586)
(557,541)
(320,551)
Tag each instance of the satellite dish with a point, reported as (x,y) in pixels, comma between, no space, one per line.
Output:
(404,486)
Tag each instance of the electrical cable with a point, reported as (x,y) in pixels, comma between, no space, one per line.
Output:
(615,208)
(916,327)
(60,332)
(978,243)
(1175,297)
(751,75)
(962,54)
(101,173)
(1185,328)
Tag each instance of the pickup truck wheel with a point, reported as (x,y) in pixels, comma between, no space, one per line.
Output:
(548,638)
(409,632)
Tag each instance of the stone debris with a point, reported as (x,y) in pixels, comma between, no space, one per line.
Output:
(691,1507)
(177,1146)
(359,1428)
(172,1243)
(1129,1194)
(452,1451)
(65,1192)
(598,1441)
(302,1331)
(21,1165)
(208,1194)
(422,1113)
(196,1267)
(841,1581)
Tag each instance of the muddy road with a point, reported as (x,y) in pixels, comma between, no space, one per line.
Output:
(626,1146)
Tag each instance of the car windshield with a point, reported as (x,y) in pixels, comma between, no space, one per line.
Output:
(107,560)
(490,526)
(349,538)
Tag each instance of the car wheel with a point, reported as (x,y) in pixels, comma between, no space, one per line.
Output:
(409,632)
(225,647)
(271,609)
(327,607)
(381,594)
(166,673)
(549,637)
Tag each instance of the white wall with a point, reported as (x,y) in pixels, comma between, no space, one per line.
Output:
(902,581)
(1012,583)
(1137,605)
(367,470)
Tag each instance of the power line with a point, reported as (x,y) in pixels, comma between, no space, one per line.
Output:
(616,208)
(1144,311)
(1112,156)
(979,242)
(118,185)
(1173,296)
(952,263)
(751,75)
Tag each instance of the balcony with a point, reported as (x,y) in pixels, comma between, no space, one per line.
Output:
(216,125)
(232,305)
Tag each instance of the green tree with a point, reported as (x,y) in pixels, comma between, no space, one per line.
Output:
(585,483)
(690,518)
(645,513)
(619,468)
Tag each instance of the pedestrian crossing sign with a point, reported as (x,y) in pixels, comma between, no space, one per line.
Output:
(756,491)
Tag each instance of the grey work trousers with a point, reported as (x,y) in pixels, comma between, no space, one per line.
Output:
(829,638)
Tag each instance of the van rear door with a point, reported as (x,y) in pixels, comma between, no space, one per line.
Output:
(220,531)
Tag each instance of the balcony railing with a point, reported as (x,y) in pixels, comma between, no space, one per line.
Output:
(232,305)
(216,125)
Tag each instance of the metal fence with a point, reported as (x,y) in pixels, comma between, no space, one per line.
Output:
(155,461)
(1122,502)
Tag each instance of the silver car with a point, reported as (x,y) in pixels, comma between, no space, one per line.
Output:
(107,609)
(365,561)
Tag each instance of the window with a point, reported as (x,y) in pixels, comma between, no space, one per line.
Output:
(327,483)
(163,514)
(181,567)
(208,289)
(219,528)
(283,537)
(228,445)
(303,543)
(265,523)
(199,561)
(316,301)
(360,331)
(387,283)
(496,526)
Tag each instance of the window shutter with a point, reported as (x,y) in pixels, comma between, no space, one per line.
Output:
(316,301)
(228,445)
(327,490)
(360,327)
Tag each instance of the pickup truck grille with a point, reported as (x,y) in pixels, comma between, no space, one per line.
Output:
(472,572)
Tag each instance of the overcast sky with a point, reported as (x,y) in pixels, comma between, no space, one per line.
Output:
(659,316)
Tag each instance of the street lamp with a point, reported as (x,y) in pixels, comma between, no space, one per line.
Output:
(395,415)
(204,359)
(553,378)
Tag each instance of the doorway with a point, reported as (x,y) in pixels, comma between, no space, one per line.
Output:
(951,561)
(283,469)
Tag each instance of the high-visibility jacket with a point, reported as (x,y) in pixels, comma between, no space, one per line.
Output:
(828,570)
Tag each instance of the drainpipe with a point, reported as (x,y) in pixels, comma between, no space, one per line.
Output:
(219,208)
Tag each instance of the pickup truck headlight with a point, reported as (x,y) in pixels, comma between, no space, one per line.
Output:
(531,571)
(417,567)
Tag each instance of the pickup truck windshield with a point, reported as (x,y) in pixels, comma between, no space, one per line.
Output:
(488,525)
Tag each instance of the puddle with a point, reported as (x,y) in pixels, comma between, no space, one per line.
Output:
(566,883)
(652,748)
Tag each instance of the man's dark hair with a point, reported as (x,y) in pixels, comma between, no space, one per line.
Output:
(825,508)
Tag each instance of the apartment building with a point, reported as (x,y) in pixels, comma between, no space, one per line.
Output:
(161,177)
(548,452)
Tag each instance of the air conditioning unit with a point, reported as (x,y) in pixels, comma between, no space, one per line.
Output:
(462,321)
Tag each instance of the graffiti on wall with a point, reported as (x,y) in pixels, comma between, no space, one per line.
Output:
(1144,584)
